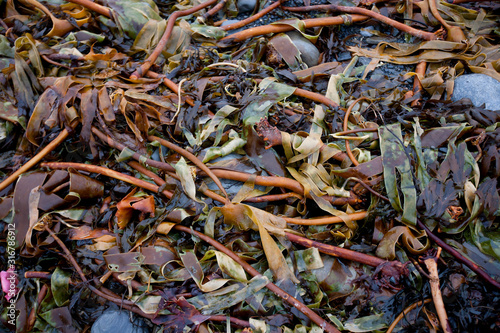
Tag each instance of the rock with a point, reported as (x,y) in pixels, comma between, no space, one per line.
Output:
(309,52)
(479,88)
(245,6)
(228,22)
(118,321)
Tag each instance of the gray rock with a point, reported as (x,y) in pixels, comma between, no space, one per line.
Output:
(363,61)
(245,6)
(118,321)
(228,22)
(479,88)
(309,52)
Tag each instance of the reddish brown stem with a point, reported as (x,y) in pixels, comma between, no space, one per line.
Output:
(143,69)
(136,156)
(103,171)
(475,268)
(387,268)
(317,221)
(276,28)
(275,181)
(336,251)
(315,97)
(193,159)
(110,296)
(171,85)
(405,312)
(366,186)
(417,84)
(214,10)
(235,321)
(68,254)
(157,179)
(325,220)
(454,33)
(271,286)
(363,11)
(3,25)
(298,92)
(32,316)
(272,137)
(252,18)
(346,118)
(50,61)
(37,275)
(37,158)
(94,7)
(357,130)
(288,183)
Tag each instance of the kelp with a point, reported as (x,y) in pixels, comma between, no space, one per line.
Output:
(203,179)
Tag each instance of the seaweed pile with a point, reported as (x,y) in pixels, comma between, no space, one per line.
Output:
(240,166)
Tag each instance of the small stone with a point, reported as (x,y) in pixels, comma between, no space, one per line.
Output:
(344,56)
(479,88)
(364,61)
(245,6)
(228,22)
(308,52)
(367,32)
(118,321)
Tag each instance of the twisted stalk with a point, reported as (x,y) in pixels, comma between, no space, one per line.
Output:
(144,68)
(363,11)
(271,286)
